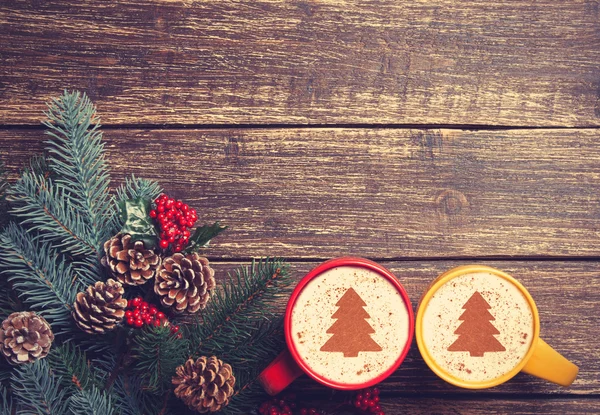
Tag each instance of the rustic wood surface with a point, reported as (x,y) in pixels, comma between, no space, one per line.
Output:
(421,134)
(518,62)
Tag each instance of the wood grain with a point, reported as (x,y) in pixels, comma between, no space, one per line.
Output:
(320,62)
(381,193)
(567,295)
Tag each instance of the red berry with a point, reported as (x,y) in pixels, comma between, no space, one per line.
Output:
(161,217)
(171,239)
(153,213)
(178,248)
(174,329)
(138,323)
(128,314)
(152,310)
(136,313)
(148,319)
(185,207)
(359,397)
(169,203)
(367,394)
(376,399)
(182,222)
(303,411)
(189,223)
(156,323)
(357,403)
(375,391)
(160,315)
(136,301)
(164,243)
(160,208)
(178,204)
(376,408)
(130,321)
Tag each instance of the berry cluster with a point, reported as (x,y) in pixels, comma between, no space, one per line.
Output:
(174,219)
(367,400)
(140,313)
(284,406)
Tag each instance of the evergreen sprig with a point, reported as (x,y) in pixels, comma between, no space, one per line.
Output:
(44,281)
(91,402)
(240,306)
(6,402)
(70,363)
(76,156)
(158,352)
(37,390)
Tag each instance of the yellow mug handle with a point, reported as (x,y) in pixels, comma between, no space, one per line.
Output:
(547,363)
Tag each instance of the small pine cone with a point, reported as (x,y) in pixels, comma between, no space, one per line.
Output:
(184,282)
(25,337)
(205,385)
(129,262)
(100,308)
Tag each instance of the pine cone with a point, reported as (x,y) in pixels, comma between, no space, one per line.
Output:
(205,385)
(25,337)
(129,262)
(100,308)
(184,282)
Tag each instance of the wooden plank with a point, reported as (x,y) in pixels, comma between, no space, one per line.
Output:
(568,300)
(435,406)
(381,193)
(260,61)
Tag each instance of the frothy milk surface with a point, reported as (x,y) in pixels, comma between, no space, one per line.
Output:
(386,325)
(513,323)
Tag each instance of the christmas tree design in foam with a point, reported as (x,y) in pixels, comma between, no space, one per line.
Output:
(476,333)
(351,332)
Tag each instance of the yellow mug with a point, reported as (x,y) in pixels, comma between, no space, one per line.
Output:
(477,327)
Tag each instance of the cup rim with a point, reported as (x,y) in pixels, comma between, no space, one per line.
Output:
(432,289)
(356,262)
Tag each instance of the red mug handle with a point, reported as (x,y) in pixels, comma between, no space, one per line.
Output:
(280,373)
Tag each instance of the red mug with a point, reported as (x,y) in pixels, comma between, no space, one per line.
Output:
(348,325)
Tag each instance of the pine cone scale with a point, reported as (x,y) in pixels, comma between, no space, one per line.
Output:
(128,261)
(25,337)
(204,385)
(100,307)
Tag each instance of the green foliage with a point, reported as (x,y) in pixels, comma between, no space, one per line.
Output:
(72,366)
(37,390)
(137,222)
(157,353)
(243,327)
(43,280)
(133,188)
(202,236)
(131,399)
(76,155)
(6,403)
(4,217)
(91,402)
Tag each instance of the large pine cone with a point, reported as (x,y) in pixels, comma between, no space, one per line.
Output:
(100,308)
(184,282)
(205,385)
(25,337)
(129,262)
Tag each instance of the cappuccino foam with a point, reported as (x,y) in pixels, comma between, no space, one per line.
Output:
(478,326)
(380,327)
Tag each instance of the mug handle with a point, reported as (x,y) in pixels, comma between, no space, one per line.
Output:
(547,363)
(280,373)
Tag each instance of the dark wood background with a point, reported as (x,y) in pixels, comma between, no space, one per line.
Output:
(421,134)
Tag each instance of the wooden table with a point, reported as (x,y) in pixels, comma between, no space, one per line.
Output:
(421,134)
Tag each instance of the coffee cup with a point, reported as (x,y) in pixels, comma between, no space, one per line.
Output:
(348,325)
(477,327)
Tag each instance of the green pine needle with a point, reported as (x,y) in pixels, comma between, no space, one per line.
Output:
(72,366)
(42,280)
(6,402)
(157,353)
(37,390)
(76,156)
(91,402)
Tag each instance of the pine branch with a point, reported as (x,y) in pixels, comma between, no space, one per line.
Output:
(76,155)
(37,390)
(157,353)
(46,209)
(44,281)
(4,216)
(130,398)
(91,402)
(72,366)
(6,403)
(239,306)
